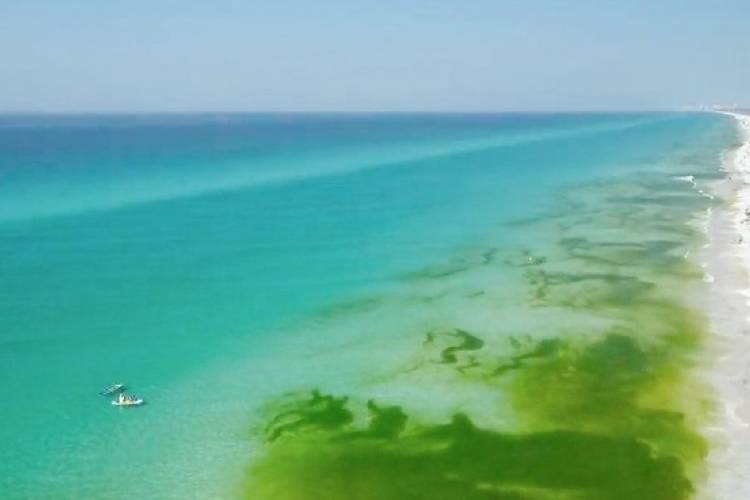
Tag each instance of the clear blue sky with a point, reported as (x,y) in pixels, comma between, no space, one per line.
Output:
(477,55)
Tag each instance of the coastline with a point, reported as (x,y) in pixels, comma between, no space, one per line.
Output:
(726,262)
(602,351)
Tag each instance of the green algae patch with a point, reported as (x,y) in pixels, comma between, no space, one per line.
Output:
(459,460)
(318,412)
(544,349)
(585,290)
(597,401)
(467,342)
(612,386)
(662,256)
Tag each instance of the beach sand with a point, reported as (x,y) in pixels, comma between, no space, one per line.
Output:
(726,261)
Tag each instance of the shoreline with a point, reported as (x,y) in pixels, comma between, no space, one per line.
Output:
(726,263)
(609,352)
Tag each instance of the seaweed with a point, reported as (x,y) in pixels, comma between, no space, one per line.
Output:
(321,411)
(468,343)
(460,460)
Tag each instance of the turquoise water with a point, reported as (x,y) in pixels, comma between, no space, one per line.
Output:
(208,261)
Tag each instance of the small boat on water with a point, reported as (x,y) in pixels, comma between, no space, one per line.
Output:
(127,401)
(113,389)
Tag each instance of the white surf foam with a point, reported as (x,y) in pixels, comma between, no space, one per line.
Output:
(728,261)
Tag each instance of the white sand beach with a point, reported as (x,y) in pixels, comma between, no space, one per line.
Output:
(726,259)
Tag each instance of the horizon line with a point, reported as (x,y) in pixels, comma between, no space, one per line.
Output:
(354,112)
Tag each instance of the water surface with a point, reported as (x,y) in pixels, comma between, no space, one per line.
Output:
(384,306)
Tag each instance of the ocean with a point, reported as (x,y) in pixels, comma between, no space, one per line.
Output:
(355,305)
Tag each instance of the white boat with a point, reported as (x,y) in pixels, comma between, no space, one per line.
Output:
(126,401)
(113,389)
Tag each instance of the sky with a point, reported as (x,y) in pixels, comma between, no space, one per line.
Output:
(371,55)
